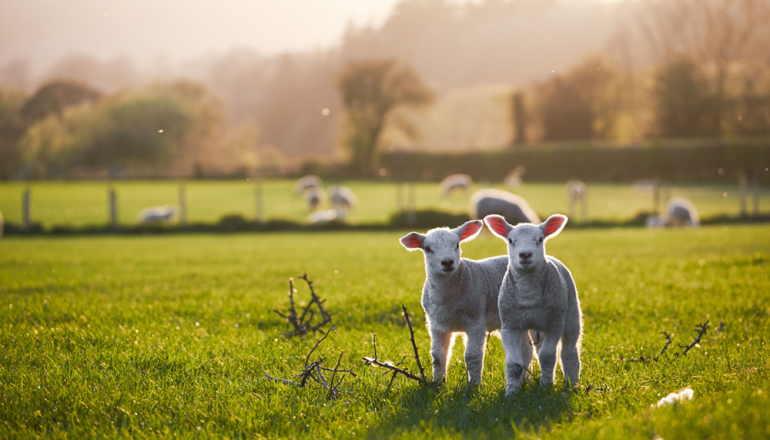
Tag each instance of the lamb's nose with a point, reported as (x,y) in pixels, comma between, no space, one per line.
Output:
(525,255)
(447,262)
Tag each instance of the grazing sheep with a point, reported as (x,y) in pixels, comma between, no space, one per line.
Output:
(326,216)
(494,201)
(454,182)
(314,196)
(577,192)
(679,212)
(537,293)
(514,178)
(155,214)
(342,197)
(306,183)
(459,295)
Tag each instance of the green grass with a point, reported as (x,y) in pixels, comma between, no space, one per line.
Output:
(164,336)
(85,203)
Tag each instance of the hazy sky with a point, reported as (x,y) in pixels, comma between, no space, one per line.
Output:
(45,30)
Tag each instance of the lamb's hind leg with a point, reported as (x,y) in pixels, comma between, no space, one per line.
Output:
(570,352)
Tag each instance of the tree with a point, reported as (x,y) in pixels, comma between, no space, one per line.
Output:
(580,104)
(55,96)
(717,33)
(682,103)
(12,128)
(370,91)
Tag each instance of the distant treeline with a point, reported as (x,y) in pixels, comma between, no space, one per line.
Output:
(681,161)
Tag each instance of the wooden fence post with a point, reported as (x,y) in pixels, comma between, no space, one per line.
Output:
(25,208)
(411,216)
(258,201)
(399,196)
(742,189)
(113,196)
(182,204)
(755,192)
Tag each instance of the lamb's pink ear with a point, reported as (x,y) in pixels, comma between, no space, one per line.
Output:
(553,225)
(498,225)
(412,241)
(469,230)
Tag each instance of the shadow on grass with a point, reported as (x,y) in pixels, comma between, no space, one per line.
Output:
(422,411)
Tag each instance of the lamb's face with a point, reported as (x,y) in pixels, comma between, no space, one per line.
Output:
(526,242)
(526,247)
(442,246)
(442,252)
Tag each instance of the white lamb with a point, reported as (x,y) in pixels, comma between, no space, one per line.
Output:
(459,295)
(155,214)
(679,212)
(494,201)
(306,183)
(314,196)
(537,293)
(462,182)
(342,197)
(577,192)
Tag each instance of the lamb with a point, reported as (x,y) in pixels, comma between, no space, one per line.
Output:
(314,196)
(514,178)
(459,295)
(157,214)
(494,201)
(577,192)
(537,293)
(342,197)
(306,183)
(679,212)
(454,182)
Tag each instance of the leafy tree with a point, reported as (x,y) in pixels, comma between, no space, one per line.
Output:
(370,91)
(12,128)
(581,104)
(55,96)
(683,107)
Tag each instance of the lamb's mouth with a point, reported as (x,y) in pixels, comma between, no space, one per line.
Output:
(448,270)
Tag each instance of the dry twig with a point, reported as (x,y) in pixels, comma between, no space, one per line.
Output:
(421,379)
(701,331)
(665,347)
(315,371)
(303,323)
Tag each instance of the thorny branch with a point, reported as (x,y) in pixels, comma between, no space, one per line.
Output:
(303,326)
(314,371)
(701,331)
(395,367)
(701,328)
(414,344)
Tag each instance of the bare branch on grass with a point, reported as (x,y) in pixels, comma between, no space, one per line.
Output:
(701,331)
(395,368)
(302,323)
(665,347)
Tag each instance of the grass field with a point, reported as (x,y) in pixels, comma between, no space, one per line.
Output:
(170,336)
(85,203)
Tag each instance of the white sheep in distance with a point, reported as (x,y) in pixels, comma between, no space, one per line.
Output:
(494,201)
(462,182)
(577,192)
(514,178)
(342,197)
(305,183)
(459,295)
(157,214)
(537,293)
(314,196)
(679,212)
(326,216)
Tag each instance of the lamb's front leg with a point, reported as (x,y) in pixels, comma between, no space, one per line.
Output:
(514,361)
(547,354)
(475,342)
(439,351)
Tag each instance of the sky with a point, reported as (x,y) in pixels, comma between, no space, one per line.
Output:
(44,31)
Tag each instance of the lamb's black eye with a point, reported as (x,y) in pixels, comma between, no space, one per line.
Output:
(540,240)
(510,241)
(458,246)
(428,249)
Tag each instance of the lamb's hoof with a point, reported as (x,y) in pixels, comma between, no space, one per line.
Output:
(511,390)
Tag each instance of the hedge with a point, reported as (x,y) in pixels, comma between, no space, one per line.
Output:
(681,161)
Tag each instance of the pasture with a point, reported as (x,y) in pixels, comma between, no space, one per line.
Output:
(170,336)
(79,204)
